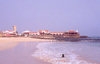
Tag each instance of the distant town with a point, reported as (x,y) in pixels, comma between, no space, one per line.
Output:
(41,34)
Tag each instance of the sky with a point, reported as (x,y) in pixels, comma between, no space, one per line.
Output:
(52,15)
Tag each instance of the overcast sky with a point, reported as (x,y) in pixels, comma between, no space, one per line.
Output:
(52,15)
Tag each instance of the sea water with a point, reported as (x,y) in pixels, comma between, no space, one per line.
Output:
(82,52)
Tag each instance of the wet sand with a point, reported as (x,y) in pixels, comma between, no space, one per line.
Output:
(19,51)
(23,39)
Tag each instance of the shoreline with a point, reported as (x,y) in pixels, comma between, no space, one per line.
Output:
(28,39)
(23,39)
(12,45)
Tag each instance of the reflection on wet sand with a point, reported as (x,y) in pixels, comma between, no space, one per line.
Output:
(7,45)
(19,53)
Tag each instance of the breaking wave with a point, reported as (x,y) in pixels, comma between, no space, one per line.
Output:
(52,54)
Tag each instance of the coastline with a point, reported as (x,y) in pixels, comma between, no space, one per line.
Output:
(27,47)
(12,44)
(23,39)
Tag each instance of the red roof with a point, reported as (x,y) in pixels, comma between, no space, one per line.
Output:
(56,32)
(71,31)
(43,30)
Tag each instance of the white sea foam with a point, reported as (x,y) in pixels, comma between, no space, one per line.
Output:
(52,54)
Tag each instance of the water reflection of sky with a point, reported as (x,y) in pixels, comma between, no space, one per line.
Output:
(7,45)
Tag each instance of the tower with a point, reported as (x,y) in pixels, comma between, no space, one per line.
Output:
(77,30)
(14,28)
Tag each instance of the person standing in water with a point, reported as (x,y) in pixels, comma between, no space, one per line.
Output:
(63,55)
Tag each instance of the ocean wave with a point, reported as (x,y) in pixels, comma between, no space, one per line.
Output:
(51,54)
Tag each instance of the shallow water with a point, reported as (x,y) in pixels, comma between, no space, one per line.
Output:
(83,52)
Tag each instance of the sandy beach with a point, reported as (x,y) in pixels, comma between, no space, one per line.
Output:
(19,51)
(22,39)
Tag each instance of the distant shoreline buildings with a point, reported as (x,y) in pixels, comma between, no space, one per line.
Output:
(41,34)
(48,34)
(9,33)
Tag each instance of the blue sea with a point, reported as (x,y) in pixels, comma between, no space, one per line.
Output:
(81,52)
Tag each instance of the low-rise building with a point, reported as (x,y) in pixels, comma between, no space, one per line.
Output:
(71,34)
(29,33)
(1,33)
(10,33)
(56,33)
(47,34)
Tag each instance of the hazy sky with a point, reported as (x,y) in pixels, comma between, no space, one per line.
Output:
(53,15)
